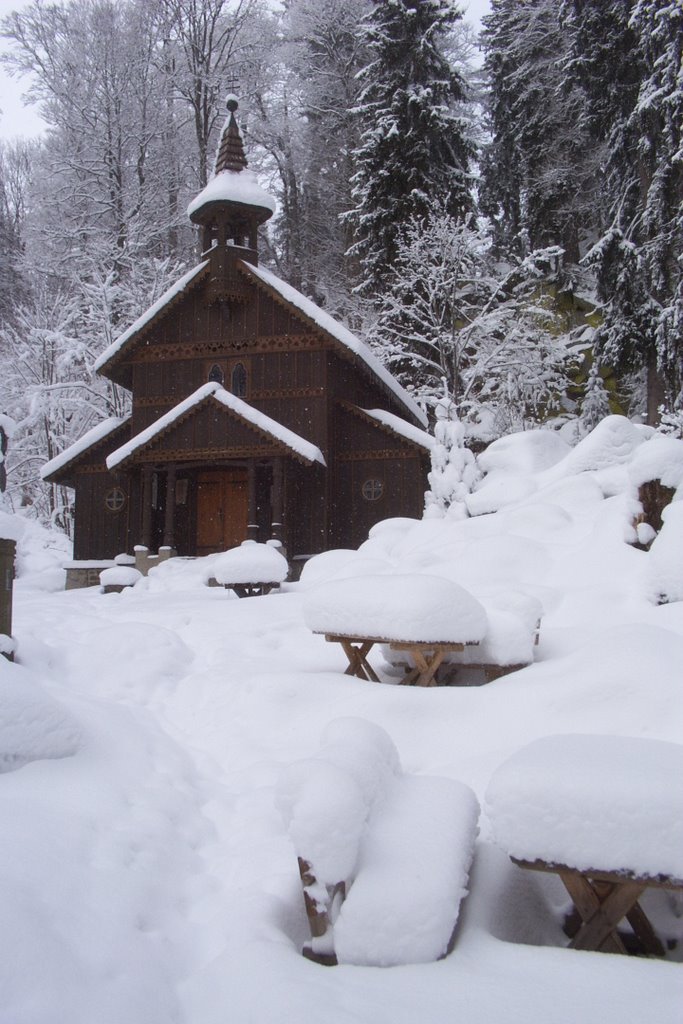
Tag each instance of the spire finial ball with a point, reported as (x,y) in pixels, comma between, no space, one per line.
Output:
(231,102)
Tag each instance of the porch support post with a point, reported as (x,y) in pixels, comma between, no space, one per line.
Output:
(276,501)
(252,524)
(169,511)
(147,507)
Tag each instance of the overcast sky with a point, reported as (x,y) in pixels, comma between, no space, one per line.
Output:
(16,118)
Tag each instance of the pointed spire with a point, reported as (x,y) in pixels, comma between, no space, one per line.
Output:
(230,155)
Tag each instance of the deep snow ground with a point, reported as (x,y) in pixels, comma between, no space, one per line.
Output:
(145,874)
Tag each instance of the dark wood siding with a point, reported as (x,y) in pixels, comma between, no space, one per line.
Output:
(100,532)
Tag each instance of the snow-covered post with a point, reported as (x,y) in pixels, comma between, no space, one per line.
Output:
(4,440)
(454,467)
(7,552)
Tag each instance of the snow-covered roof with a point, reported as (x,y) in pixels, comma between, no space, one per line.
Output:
(91,437)
(233,187)
(399,426)
(340,333)
(303,448)
(149,314)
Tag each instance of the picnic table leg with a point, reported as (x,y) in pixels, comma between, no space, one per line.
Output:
(425,670)
(644,931)
(358,664)
(601,906)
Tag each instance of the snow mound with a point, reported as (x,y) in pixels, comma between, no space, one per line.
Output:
(325,800)
(525,453)
(665,557)
(251,563)
(611,443)
(40,553)
(396,607)
(134,660)
(576,800)
(32,725)
(660,459)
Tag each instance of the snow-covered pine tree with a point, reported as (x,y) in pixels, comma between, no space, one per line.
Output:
(454,469)
(626,54)
(595,404)
(301,120)
(415,145)
(656,125)
(540,171)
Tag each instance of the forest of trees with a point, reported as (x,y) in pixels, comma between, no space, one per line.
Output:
(511,232)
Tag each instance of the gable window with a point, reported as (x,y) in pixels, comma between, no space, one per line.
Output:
(238,380)
(216,374)
(114,500)
(372,490)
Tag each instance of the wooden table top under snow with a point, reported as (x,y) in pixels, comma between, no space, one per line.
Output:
(425,616)
(603,813)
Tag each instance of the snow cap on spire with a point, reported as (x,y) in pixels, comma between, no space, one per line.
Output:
(231,183)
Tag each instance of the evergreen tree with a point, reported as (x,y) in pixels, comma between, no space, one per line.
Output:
(415,146)
(627,58)
(540,171)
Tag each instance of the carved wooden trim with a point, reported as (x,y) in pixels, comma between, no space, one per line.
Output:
(382,453)
(212,454)
(145,403)
(288,393)
(163,351)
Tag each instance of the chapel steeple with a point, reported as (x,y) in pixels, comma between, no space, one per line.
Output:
(230,155)
(230,209)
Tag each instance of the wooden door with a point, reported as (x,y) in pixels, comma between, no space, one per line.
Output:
(222,510)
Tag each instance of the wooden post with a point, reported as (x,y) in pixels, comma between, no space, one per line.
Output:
(147,508)
(276,501)
(169,511)
(7,551)
(252,524)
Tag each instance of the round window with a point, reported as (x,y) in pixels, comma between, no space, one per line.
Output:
(114,500)
(372,490)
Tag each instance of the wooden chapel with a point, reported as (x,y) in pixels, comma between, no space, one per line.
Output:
(254,414)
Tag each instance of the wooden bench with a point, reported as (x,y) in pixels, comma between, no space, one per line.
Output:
(383,857)
(603,813)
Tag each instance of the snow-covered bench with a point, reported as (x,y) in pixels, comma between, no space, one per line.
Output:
(251,569)
(603,813)
(383,856)
(420,617)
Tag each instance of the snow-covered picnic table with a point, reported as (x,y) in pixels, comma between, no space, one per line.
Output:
(425,617)
(251,569)
(383,856)
(603,813)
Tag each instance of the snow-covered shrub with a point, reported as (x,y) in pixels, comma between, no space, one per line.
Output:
(454,469)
